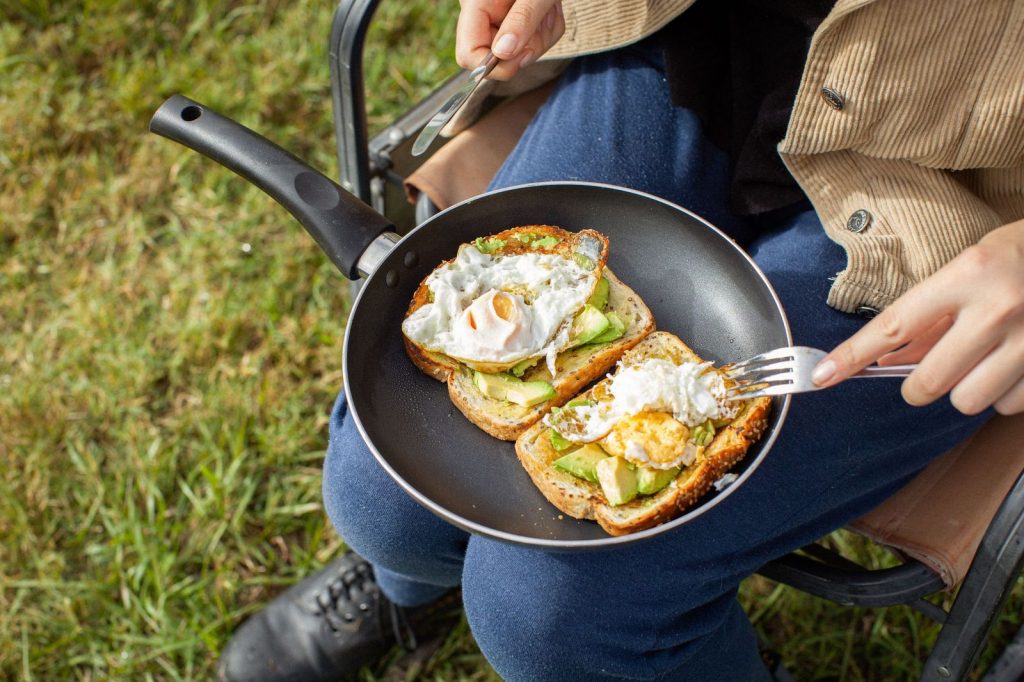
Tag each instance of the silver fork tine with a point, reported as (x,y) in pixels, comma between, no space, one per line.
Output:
(771,355)
(776,372)
(778,389)
(775,384)
(772,379)
(750,372)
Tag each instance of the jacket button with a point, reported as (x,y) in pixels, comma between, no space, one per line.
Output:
(867,311)
(858,221)
(833,98)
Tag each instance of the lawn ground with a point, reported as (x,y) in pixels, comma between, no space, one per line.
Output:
(172,341)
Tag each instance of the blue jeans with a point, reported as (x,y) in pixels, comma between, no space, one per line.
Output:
(664,609)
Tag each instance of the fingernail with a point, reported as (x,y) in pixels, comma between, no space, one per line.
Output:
(825,370)
(527,59)
(549,19)
(506,45)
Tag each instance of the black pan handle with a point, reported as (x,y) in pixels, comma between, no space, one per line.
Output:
(340,223)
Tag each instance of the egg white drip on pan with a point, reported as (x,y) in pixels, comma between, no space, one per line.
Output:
(501,309)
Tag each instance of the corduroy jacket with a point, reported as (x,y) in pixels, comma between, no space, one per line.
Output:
(907,132)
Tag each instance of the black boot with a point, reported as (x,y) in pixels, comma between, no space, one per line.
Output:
(323,629)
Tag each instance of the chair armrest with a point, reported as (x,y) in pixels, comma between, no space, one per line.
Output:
(999,559)
(348,91)
(855,586)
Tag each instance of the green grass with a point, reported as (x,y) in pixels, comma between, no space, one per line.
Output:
(172,342)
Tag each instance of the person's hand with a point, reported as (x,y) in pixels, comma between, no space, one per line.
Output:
(964,325)
(516,31)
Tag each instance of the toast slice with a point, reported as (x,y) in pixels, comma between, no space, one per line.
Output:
(582,499)
(574,368)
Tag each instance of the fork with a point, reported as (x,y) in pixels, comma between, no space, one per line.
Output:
(788,370)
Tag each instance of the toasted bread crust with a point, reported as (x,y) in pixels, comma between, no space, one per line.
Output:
(432,364)
(584,500)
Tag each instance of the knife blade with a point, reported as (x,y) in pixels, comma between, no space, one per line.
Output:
(454,103)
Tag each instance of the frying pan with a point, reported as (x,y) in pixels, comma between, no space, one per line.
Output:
(696,281)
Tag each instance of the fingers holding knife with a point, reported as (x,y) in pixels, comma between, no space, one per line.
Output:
(517,31)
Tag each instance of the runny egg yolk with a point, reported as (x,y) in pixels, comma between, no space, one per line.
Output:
(647,411)
(495,320)
(654,439)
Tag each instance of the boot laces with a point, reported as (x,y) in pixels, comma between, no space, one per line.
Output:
(352,595)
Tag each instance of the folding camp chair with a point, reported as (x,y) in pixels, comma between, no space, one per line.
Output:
(959,523)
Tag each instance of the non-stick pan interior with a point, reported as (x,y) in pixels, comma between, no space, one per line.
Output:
(698,284)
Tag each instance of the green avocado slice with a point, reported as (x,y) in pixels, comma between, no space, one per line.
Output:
(558,441)
(506,387)
(616,329)
(519,370)
(590,322)
(599,299)
(617,480)
(582,463)
(490,245)
(650,480)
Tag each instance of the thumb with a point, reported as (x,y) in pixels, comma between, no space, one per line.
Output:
(518,27)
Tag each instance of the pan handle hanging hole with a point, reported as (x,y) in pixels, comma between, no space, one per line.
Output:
(391,279)
(191,112)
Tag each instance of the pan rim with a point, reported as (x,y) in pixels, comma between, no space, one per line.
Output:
(545,543)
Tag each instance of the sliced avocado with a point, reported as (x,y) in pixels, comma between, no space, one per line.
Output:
(520,369)
(617,480)
(616,328)
(558,441)
(582,463)
(489,246)
(525,237)
(583,261)
(530,393)
(545,242)
(650,481)
(590,322)
(508,388)
(580,402)
(703,433)
(599,299)
(491,385)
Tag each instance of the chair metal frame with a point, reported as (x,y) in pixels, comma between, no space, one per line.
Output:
(373,169)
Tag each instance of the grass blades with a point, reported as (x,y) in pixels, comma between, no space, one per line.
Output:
(172,341)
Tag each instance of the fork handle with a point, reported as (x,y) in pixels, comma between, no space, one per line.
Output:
(887,371)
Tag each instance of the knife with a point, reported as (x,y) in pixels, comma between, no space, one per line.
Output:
(454,103)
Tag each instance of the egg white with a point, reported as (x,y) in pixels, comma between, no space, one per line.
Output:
(544,292)
(688,392)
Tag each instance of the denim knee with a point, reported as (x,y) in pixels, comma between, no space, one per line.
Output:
(531,628)
(624,614)
(378,519)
